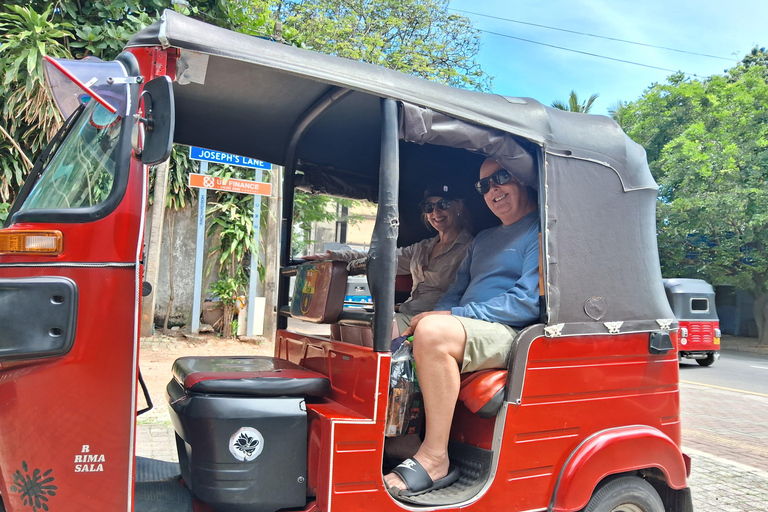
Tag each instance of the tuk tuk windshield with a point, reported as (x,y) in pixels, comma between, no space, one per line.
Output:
(82,172)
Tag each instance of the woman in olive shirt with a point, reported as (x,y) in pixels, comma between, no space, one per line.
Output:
(432,263)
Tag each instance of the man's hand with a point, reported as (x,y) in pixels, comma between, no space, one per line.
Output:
(415,320)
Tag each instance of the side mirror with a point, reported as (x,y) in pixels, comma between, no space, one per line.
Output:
(153,134)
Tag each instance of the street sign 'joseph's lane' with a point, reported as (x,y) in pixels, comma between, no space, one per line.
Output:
(218,157)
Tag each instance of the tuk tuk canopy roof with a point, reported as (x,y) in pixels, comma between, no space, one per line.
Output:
(236,81)
(245,95)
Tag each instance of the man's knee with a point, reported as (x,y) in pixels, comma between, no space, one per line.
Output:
(439,331)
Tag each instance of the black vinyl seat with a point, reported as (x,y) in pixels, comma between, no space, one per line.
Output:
(253,376)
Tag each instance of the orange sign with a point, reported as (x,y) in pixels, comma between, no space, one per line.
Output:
(230,185)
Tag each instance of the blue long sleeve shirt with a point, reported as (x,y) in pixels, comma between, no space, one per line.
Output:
(498,281)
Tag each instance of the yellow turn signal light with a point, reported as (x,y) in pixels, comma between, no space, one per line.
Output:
(31,242)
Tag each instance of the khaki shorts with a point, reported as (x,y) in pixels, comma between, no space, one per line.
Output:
(488,344)
(403,321)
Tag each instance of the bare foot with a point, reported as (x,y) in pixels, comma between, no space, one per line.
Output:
(436,467)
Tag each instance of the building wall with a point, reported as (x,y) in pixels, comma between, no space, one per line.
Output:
(358,233)
(185,241)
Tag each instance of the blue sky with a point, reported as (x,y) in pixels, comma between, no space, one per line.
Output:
(727,29)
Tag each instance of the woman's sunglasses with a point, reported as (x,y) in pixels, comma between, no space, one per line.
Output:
(442,205)
(500,177)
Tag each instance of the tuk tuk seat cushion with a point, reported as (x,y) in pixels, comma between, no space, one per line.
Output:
(483,391)
(253,376)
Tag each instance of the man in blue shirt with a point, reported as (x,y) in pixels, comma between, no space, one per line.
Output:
(496,290)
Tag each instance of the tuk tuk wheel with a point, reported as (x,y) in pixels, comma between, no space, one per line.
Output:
(707,361)
(625,494)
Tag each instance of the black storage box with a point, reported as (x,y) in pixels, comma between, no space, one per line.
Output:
(241,430)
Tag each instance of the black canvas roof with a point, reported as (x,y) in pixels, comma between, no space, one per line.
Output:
(239,82)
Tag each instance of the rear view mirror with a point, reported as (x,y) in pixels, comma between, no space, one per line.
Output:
(153,134)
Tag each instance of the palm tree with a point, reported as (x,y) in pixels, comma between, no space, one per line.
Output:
(573,104)
(618,112)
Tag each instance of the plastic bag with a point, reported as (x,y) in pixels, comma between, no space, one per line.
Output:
(404,409)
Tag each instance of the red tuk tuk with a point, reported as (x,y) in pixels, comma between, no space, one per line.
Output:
(586,416)
(693,303)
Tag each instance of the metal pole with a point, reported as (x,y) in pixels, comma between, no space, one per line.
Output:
(272,255)
(202,199)
(382,265)
(251,324)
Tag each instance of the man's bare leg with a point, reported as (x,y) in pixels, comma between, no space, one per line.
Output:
(438,349)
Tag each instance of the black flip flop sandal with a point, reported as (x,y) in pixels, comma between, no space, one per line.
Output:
(417,479)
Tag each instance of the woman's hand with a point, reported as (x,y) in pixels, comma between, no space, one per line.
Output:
(415,320)
(319,256)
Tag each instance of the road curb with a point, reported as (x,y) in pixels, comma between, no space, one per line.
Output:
(720,460)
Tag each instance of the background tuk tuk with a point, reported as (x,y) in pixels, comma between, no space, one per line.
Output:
(693,303)
(585,417)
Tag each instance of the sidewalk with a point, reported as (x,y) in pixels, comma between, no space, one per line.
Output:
(742,344)
(720,485)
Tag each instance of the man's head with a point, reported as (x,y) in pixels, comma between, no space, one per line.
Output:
(507,198)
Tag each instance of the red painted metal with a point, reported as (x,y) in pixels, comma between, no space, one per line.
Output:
(76,411)
(155,61)
(619,450)
(478,388)
(701,335)
(574,388)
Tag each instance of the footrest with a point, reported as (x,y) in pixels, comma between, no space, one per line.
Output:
(256,376)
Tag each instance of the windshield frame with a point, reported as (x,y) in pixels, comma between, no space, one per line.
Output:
(81,214)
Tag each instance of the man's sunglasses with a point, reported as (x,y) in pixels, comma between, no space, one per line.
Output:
(442,205)
(500,177)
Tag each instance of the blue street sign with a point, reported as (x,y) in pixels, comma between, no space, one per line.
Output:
(217,157)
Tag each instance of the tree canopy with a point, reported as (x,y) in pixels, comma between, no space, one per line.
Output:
(419,37)
(707,146)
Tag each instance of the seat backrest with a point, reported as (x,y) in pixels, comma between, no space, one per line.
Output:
(483,391)
(318,295)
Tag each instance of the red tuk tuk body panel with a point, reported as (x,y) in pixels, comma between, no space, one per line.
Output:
(76,412)
(597,458)
(90,388)
(579,395)
(701,335)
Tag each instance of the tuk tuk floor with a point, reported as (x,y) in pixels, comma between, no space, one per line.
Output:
(730,477)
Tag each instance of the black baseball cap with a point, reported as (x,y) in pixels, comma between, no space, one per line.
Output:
(444,189)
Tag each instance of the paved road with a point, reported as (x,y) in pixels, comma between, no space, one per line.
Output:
(734,370)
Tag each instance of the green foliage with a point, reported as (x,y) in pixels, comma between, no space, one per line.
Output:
(227,290)
(311,208)
(27,113)
(4,207)
(707,145)
(617,111)
(419,37)
(179,167)
(573,104)
(232,220)
(65,29)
